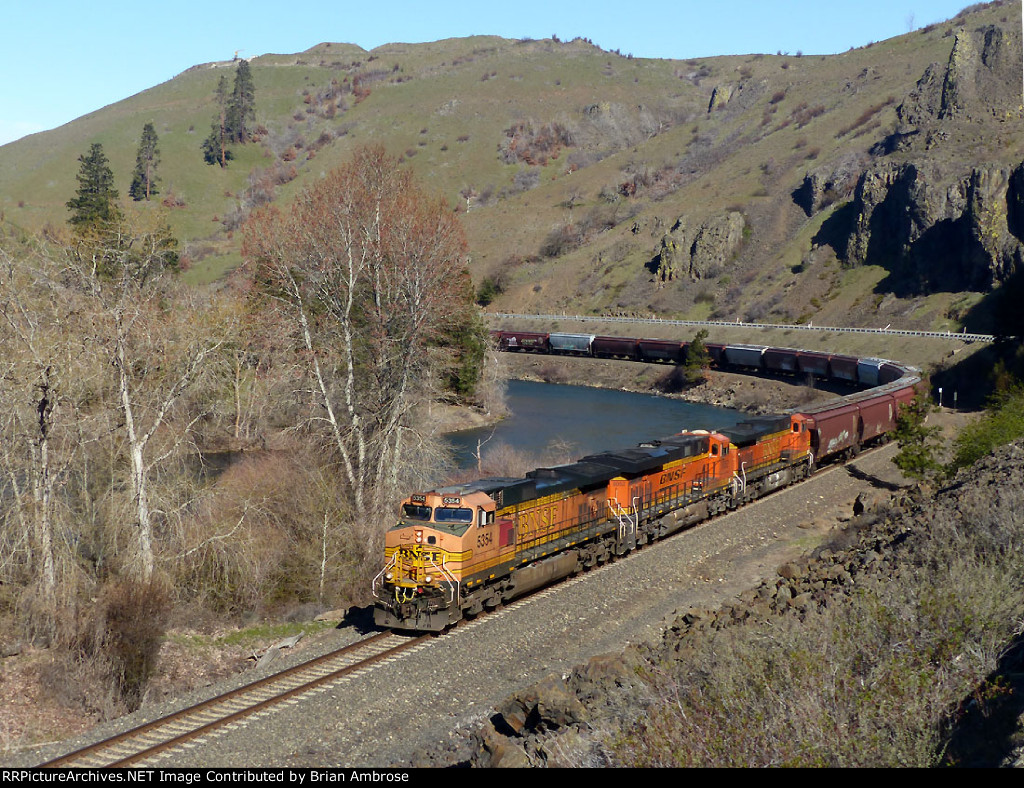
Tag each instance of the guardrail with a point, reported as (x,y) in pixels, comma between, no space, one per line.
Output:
(960,337)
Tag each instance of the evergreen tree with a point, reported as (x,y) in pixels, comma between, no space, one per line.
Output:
(466,337)
(95,203)
(215,147)
(144,180)
(917,443)
(698,360)
(241,115)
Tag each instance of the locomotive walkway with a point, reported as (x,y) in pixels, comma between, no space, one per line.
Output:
(887,331)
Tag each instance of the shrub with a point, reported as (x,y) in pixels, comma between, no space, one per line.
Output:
(490,288)
(1002,423)
(524,180)
(106,654)
(561,240)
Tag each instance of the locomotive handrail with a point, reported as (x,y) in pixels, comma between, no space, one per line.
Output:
(621,514)
(455,585)
(380,575)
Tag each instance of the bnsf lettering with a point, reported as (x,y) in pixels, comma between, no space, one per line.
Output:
(543,517)
(417,554)
(671,476)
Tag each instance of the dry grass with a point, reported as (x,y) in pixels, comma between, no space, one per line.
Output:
(876,680)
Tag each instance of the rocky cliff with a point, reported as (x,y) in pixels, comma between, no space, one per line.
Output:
(698,252)
(935,221)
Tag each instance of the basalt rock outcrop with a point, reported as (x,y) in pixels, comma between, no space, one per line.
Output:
(826,185)
(935,230)
(698,252)
(933,222)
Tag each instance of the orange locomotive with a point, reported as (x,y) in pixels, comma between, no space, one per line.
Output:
(458,550)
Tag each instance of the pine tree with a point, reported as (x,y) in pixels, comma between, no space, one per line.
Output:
(917,443)
(144,180)
(96,202)
(241,116)
(698,360)
(215,146)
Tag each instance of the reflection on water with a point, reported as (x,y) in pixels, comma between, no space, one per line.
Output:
(590,420)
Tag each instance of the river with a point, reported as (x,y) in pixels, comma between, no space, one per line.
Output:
(584,420)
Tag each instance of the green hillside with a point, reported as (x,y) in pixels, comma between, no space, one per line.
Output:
(569,164)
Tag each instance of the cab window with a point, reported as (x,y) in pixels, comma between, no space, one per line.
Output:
(446,515)
(414,511)
(453,521)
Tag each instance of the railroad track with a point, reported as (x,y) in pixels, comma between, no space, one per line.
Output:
(147,744)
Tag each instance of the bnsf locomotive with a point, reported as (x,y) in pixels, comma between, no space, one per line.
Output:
(458,550)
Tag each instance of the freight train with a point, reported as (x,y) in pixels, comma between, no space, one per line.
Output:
(456,551)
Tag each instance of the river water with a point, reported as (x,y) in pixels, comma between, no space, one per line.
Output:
(587,420)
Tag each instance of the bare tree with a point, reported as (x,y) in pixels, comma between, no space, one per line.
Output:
(367,269)
(45,379)
(157,338)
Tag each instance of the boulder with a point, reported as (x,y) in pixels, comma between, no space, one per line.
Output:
(547,705)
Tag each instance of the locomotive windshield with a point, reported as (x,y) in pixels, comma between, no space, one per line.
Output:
(414,511)
(453,521)
(445,515)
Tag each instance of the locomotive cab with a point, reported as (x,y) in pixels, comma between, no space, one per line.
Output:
(426,553)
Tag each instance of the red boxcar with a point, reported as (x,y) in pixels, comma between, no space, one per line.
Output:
(834,431)
(813,363)
(779,359)
(523,340)
(877,416)
(843,368)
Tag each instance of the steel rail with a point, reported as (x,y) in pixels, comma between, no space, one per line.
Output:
(230,707)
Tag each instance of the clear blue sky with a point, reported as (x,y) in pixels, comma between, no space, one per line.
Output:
(61,59)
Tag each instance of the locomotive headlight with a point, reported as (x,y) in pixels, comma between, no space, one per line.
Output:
(389,576)
(426,579)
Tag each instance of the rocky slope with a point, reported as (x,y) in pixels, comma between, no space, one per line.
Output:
(936,221)
(574,719)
